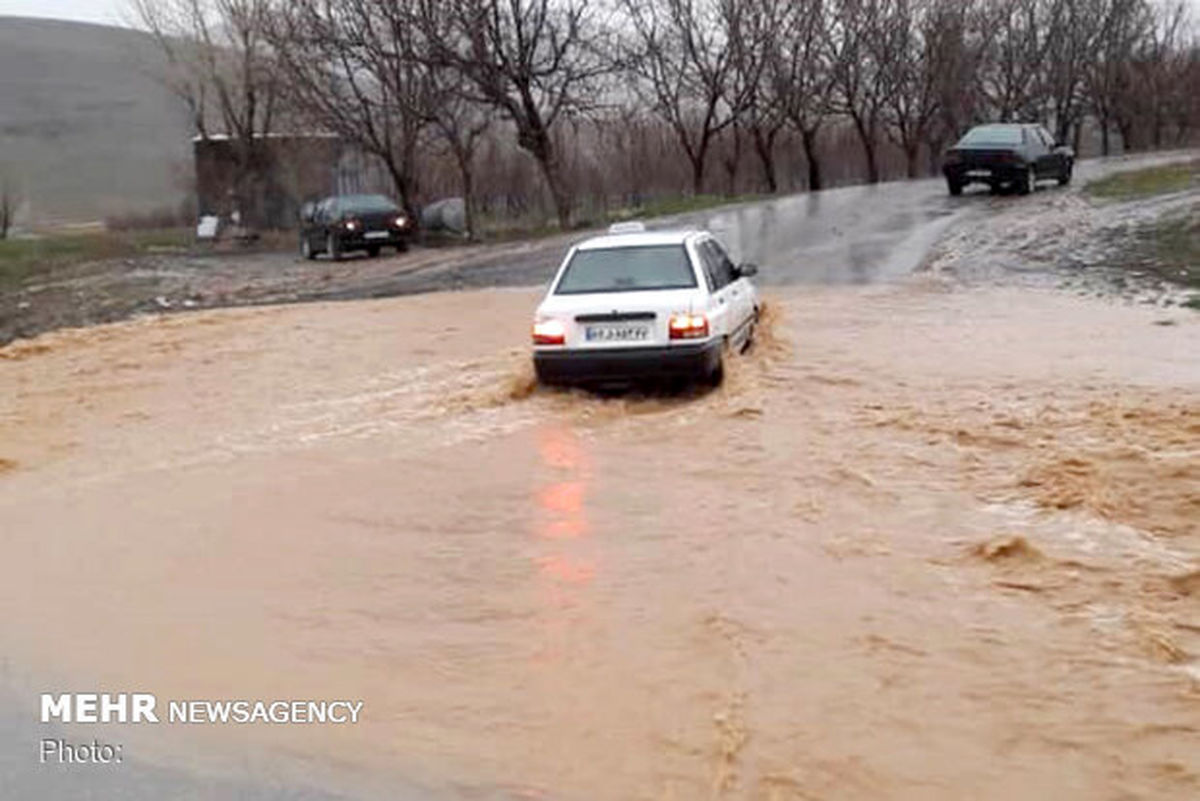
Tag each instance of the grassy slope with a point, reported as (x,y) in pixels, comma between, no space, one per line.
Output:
(25,259)
(1168,247)
(85,126)
(1136,184)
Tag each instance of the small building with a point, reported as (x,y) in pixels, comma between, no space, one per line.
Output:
(296,168)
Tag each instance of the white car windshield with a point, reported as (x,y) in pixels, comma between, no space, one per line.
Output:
(627,269)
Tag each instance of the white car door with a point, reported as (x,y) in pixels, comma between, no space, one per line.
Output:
(722,312)
(739,294)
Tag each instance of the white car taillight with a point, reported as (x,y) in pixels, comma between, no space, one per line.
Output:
(688,326)
(549,332)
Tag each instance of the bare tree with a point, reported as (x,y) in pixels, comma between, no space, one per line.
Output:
(1184,99)
(459,116)
(461,124)
(1071,30)
(425,84)
(908,51)
(534,61)
(861,71)
(1156,69)
(957,40)
(1010,74)
(1123,25)
(220,64)
(800,77)
(351,69)
(683,65)
(751,27)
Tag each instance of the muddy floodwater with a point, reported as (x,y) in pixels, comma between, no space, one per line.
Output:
(924,543)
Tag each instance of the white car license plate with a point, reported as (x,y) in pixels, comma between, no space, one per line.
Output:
(616,333)
(979,173)
(375,235)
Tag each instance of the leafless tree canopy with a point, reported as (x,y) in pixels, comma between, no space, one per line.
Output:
(509,102)
(221,65)
(532,61)
(352,68)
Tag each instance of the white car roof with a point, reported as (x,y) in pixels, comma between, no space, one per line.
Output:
(637,240)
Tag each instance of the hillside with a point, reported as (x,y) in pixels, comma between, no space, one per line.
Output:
(85,126)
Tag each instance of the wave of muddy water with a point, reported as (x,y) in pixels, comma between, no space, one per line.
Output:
(923,544)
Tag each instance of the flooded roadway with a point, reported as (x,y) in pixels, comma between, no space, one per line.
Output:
(925,543)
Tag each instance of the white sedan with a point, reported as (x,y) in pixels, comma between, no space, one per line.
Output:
(636,304)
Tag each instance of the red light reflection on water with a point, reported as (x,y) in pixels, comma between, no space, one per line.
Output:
(561,504)
(565,553)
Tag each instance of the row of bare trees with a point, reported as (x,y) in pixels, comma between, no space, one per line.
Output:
(582,92)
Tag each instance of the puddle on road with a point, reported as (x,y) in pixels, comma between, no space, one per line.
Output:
(921,544)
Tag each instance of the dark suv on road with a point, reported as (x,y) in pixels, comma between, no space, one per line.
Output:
(339,224)
(1014,156)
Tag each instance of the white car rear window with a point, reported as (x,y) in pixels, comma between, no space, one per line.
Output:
(993,135)
(628,269)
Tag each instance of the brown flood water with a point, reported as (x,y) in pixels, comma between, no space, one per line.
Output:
(923,544)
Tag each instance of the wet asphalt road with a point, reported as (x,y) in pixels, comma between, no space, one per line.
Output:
(843,236)
(849,235)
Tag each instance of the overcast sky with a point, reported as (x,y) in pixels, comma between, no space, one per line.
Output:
(111,12)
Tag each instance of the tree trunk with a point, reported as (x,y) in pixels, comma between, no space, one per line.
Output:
(1125,128)
(1183,130)
(764,146)
(535,140)
(732,162)
(697,172)
(6,211)
(937,147)
(558,190)
(872,163)
(468,187)
(809,137)
(403,184)
(467,176)
(866,135)
(411,189)
(1105,145)
(1062,130)
(912,154)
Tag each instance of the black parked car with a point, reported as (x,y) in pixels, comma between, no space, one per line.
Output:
(343,223)
(1013,156)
